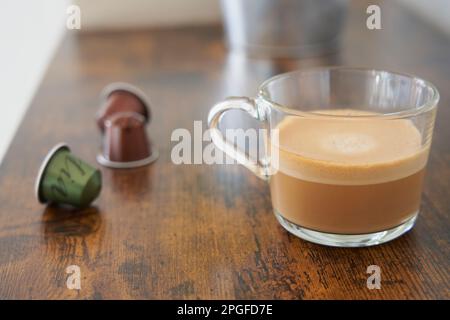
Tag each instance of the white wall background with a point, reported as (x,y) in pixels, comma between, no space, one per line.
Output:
(131,14)
(30,31)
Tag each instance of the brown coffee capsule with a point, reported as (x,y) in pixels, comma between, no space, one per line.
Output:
(126,144)
(121,97)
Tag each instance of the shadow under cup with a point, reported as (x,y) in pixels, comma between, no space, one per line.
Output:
(346,151)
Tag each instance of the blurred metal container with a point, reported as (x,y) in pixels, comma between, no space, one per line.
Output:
(283,28)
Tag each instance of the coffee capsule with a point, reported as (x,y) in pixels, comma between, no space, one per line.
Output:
(65,179)
(126,144)
(122,97)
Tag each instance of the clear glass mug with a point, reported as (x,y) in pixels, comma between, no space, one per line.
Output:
(345,152)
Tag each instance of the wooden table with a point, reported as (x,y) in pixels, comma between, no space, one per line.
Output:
(199,231)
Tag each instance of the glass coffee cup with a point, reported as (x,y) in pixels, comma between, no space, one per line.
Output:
(345,151)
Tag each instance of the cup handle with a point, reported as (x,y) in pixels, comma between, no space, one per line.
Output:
(236,103)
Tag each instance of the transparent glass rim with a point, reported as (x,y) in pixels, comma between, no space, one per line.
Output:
(427,106)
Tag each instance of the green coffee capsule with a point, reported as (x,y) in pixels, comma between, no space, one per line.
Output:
(65,179)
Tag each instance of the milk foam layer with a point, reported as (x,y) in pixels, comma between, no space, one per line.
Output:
(349,151)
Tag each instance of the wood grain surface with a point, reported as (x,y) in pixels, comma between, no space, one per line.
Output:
(198,231)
